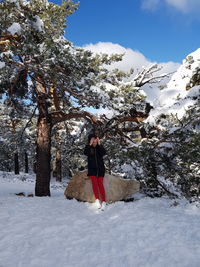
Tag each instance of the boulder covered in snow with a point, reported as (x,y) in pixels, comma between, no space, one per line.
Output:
(116,188)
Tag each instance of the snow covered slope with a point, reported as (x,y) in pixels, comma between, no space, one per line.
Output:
(56,232)
(182,91)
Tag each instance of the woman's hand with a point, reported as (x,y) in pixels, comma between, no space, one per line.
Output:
(98,141)
(91,141)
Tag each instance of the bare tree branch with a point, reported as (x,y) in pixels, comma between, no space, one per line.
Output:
(59,116)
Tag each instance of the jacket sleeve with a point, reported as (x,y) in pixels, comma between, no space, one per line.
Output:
(87,150)
(102,150)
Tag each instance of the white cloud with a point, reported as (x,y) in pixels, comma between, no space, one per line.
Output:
(133,59)
(184,6)
(178,4)
(150,4)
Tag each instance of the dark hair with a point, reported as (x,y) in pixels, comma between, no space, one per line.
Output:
(90,136)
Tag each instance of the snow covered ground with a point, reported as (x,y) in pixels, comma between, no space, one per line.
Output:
(56,232)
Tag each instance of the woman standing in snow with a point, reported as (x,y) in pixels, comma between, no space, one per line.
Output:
(96,169)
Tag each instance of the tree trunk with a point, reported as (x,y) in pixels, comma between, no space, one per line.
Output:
(16,160)
(43,156)
(26,161)
(58,166)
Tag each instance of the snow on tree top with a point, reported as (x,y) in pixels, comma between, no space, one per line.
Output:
(38,24)
(14,28)
(2,64)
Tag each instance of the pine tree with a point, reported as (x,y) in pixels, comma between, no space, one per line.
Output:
(166,160)
(39,65)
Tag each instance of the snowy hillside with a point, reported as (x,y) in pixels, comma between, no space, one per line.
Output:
(49,232)
(182,90)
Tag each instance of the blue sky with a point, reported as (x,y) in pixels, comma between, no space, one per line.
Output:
(162,30)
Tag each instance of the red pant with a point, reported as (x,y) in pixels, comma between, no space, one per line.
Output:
(97,183)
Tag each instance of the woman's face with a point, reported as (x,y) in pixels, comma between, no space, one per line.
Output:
(94,142)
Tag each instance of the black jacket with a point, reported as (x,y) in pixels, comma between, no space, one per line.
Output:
(95,160)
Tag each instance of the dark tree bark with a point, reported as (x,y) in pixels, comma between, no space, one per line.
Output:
(43,157)
(34,166)
(26,162)
(143,132)
(58,169)
(43,150)
(16,161)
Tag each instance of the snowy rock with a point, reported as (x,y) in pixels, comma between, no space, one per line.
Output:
(116,188)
